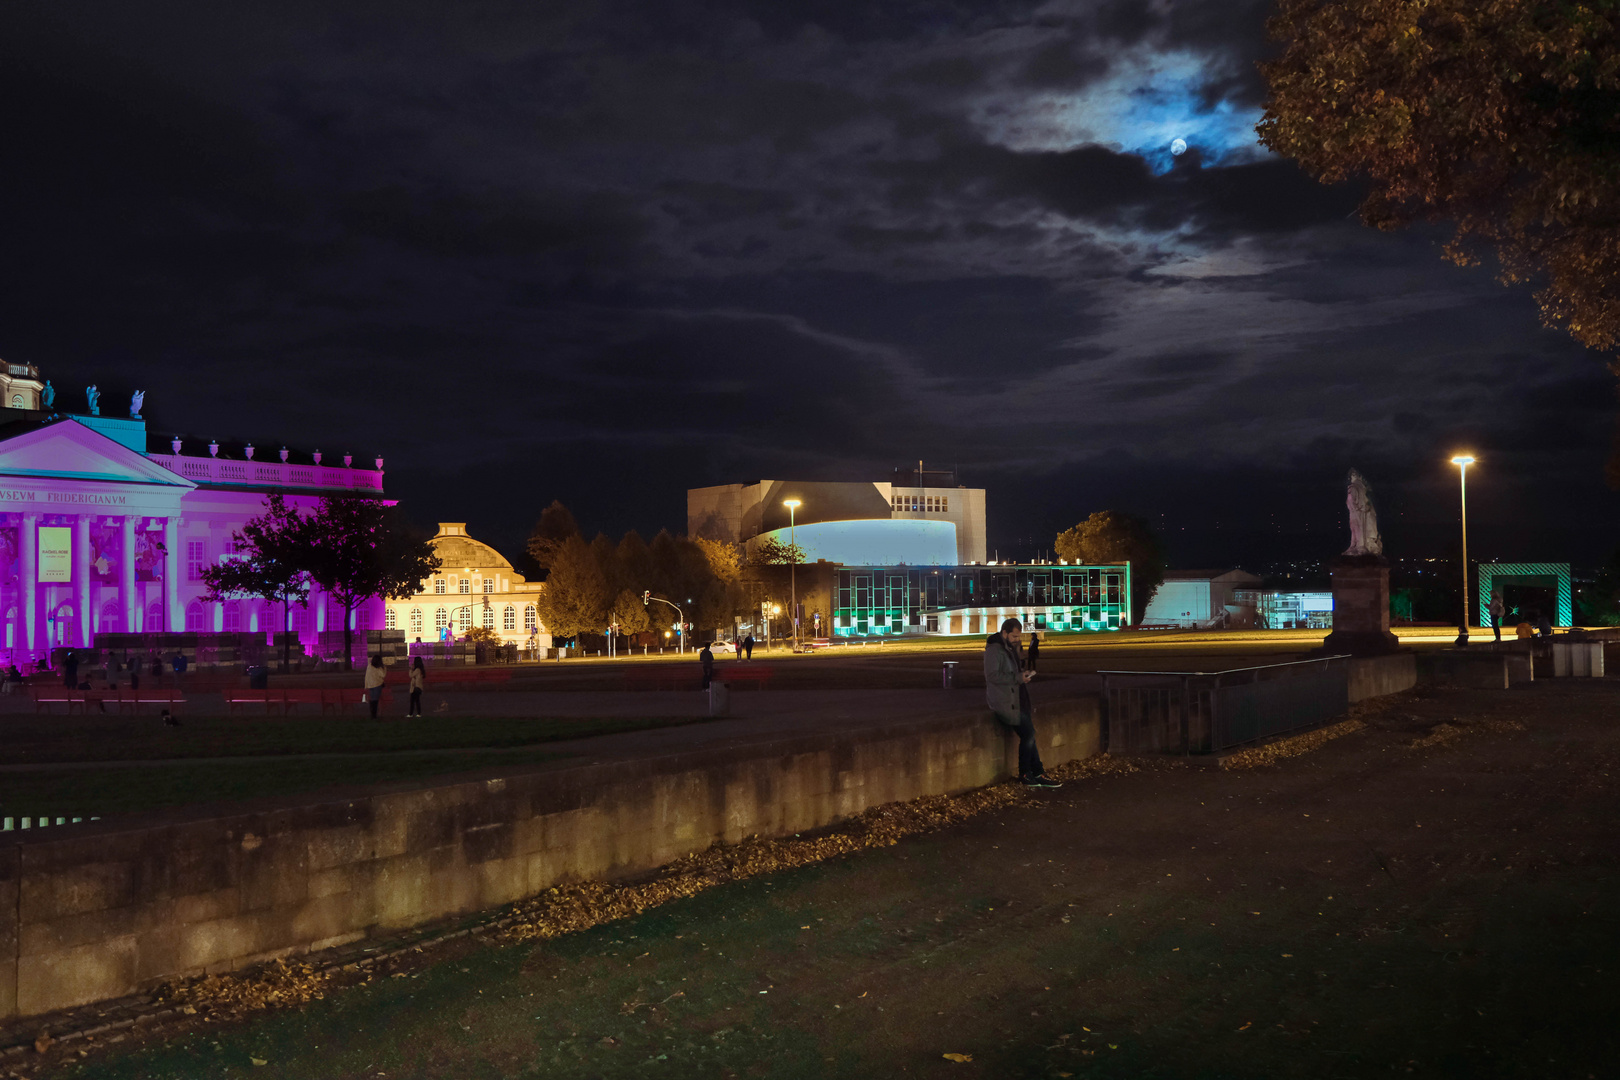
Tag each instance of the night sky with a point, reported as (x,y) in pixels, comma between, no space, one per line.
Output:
(604,252)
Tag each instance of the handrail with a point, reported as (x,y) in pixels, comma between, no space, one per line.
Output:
(1234,671)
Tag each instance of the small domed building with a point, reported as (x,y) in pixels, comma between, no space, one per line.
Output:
(475,586)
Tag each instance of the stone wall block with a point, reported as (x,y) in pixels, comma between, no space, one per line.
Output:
(76,976)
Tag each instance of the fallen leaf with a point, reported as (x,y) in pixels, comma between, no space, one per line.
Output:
(957,1057)
(1247,1026)
(1288,956)
(258,1061)
(43,1043)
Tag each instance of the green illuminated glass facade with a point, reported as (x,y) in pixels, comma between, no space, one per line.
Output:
(891,600)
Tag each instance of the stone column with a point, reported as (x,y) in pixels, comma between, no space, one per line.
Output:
(81,580)
(127,600)
(28,582)
(174,619)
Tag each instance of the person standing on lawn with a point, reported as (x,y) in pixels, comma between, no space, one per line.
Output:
(418,682)
(1006,690)
(706,658)
(375,677)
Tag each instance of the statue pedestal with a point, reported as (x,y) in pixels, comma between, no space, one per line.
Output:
(1360,607)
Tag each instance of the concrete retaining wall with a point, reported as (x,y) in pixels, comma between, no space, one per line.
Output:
(1374,676)
(96,911)
(1475,669)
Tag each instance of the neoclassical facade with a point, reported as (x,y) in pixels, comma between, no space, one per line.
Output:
(475,586)
(98,535)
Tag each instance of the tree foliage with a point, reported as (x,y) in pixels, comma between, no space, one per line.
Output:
(773,552)
(361,549)
(1501,117)
(271,562)
(1109,536)
(1599,603)
(590,586)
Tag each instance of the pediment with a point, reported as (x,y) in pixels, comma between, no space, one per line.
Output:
(67,450)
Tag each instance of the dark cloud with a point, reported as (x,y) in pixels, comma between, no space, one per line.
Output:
(604,252)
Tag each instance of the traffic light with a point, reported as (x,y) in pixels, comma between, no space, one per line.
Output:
(646,598)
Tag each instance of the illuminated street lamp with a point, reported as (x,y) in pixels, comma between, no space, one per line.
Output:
(1462,461)
(793,568)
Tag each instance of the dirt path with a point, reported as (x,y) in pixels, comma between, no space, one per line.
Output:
(1435,895)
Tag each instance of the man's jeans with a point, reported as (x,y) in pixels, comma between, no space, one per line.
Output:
(1029,755)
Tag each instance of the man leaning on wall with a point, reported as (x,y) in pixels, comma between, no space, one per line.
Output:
(1006,690)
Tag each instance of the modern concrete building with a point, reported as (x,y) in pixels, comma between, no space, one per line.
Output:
(475,586)
(917,518)
(1206,598)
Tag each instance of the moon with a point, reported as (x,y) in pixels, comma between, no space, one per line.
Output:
(1178,147)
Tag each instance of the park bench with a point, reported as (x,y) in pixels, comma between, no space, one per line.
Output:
(329,700)
(124,700)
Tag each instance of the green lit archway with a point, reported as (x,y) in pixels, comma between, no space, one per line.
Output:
(1545,575)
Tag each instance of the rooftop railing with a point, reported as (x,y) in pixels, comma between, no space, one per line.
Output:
(212,470)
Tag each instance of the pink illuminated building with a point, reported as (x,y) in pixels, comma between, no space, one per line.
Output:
(99,534)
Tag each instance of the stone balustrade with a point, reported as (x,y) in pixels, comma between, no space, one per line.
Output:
(212,470)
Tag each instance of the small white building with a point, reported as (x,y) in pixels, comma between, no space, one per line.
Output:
(1201,598)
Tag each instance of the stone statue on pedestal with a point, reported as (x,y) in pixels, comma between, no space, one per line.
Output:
(136,400)
(92,396)
(49,396)
(1364,538)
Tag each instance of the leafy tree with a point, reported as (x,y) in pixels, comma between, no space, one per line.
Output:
(773,552)
(630,613)
(481,635)
(576,596)
(555,527)
(724,559)
(271,562)
(1499,116)
(1109,536)
(362,549)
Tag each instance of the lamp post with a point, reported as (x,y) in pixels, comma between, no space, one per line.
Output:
(1462,461)
(793,567)
(647,598)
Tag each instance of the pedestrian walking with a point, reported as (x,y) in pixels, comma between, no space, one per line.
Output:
(1034,655)
(135,672)
(748,646)
(1006,690)
(70,670)
(1496,615)
(375,677)
(707,659)
(418,681)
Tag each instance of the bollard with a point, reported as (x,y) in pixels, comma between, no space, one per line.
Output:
(949,674)
(719,699)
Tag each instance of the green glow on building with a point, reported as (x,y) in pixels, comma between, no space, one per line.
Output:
(882,601)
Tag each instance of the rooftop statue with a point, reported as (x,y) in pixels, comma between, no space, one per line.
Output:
(135,402)
(1364,538)
(49,395)
(93,396)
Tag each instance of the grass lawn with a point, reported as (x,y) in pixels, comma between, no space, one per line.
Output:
(41,739)
(103,792)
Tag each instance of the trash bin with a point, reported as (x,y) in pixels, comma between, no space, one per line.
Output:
(258,677)
(950,674)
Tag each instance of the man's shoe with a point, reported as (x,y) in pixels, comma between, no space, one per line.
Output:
(1043,781)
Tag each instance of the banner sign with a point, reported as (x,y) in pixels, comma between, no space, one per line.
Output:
(55,553)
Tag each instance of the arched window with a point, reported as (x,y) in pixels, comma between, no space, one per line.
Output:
(16,401)
(489,617)
(416,620)
(112,616)
(530,622)
(154,618)
(195,617)
(391,620)
(233,618)
(441,619)
(509,618)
